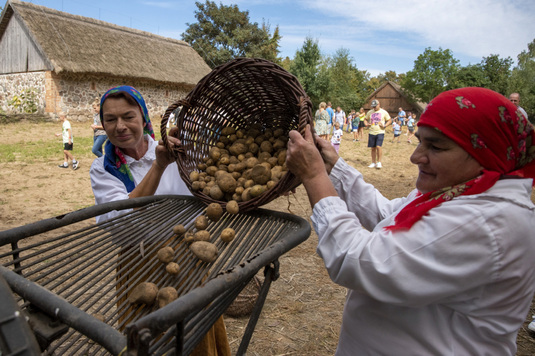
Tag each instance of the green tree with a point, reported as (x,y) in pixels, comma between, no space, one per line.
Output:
(523,80)
(346,87)
(432,73)
(391,75)
(473,75)
(306,67)
(222,33)
(497,71)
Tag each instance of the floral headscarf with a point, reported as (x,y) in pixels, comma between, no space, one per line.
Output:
(487,126)
(114,160)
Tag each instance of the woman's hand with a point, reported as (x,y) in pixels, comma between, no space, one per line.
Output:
(305,159)
(163,156)
(306,162)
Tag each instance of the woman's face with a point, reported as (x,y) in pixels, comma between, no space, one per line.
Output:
(123,123)
(441,162)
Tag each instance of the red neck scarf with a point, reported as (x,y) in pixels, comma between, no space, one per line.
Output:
(487,126)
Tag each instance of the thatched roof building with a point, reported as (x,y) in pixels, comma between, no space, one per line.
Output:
(392,97)
(38,39)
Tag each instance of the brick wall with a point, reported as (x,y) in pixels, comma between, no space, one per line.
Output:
(74,93)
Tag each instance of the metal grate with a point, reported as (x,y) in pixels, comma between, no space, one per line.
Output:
(82,271)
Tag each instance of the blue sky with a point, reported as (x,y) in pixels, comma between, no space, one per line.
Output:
(381,35)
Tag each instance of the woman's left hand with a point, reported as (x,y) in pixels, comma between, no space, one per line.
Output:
(163,156)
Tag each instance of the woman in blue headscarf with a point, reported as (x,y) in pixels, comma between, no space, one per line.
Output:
(135,164)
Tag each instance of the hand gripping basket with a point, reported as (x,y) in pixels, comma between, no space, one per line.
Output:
(240,93)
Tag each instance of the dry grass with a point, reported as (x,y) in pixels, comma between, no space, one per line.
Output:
(303,311)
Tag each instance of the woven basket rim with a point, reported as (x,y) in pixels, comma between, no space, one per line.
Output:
(199,97)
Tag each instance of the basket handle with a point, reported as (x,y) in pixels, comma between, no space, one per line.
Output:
(163,126)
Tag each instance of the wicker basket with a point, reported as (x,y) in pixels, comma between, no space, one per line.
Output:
(240,93)
(244,303)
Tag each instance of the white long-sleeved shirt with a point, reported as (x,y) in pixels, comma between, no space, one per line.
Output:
(107,188)
(459,282)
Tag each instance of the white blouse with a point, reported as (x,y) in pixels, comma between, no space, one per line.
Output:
(107,188)
(459,282)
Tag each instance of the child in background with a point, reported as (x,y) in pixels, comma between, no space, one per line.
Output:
(410,126)
(68,143)
(397,130)
(336,139)
(349,120)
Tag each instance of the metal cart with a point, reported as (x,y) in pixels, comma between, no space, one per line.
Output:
(71,277)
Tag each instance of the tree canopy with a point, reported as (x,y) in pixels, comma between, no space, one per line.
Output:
(433,71)
(222,33)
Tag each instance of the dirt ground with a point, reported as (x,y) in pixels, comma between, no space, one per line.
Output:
(303,311)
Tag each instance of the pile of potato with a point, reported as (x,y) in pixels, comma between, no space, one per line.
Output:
(243,164)
(199,244)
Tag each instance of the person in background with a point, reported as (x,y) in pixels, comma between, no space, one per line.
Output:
(337,136)
(402,116)
(68,143)
(449,269)
(135,165)
(397,130)
(349,121)
(362,124)
(515,99)
(411,125)
(377,120)
(330,111)
(321,120)
(99,135)
(339,117)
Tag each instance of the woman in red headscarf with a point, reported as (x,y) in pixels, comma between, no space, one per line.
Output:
(449,269)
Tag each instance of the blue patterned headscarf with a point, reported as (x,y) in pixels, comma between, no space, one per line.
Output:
(114,160)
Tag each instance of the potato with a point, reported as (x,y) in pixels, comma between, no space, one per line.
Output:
(254,148)
(216,193)
(194,176)
(172,268)
(202,235)
(179,229)
(166,295)
(251,162)
(228,234)
(205,251)
(201,222)
(278,144)
(195,186)
(266,146)
(273,161)
(211,170)
(246,195)
(143,293)
(237,148)
(249,183)
(224,160)
(189,236)
(232,207)
(202,166)
(236,175)
(257,190)
(226,183)
(278,132)
(228,130)
(214,153)
(166,254)
(263,156)
(261,174)
(281,157)
(214,212)
(271,184)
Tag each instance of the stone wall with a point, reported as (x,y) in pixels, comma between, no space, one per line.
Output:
(74,94)
(16,84)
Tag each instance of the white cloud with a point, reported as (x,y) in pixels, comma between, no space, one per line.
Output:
(473,28)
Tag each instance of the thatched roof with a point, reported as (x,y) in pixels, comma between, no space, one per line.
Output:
(78,44)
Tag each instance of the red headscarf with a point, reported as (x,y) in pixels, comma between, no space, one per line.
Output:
(487,126)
